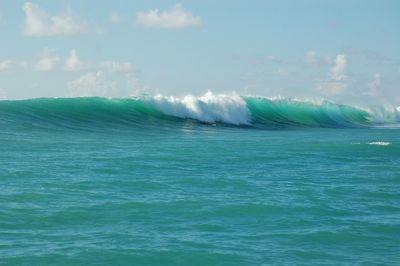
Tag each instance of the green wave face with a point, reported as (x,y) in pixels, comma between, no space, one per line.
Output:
(283,112)
(80,112)
(170,112)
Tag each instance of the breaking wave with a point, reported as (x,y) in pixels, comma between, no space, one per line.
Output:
(224,109)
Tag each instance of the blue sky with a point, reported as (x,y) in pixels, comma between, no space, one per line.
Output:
(345,51)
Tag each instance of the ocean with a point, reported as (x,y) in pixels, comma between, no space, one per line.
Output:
(212,180)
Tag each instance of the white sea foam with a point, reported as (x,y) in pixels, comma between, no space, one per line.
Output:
(210,108)
(380,143)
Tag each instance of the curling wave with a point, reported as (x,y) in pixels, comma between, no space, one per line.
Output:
(225,109)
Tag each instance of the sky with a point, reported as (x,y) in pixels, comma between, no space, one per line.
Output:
(344,51)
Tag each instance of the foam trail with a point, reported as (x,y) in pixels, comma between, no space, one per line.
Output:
(210,108)
(379,143)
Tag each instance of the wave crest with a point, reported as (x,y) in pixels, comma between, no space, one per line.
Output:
(231,109)
(209,108)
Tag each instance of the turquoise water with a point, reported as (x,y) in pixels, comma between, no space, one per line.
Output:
(138,182)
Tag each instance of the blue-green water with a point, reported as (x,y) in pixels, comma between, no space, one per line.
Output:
(123,182)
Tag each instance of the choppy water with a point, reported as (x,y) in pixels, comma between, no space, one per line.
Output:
(212,181)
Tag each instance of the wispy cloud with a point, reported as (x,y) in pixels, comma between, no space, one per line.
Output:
(38,23)
(337,71)
(104,83)
(311,58)
(175,18)
(91,84)
(115,17)
(374,86)
(372,55)
(281,72)
(4,65)
(105,78)
(115,66)
(73,62)
(47,60)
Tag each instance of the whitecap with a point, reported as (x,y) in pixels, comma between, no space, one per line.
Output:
(380,143)
(209,108)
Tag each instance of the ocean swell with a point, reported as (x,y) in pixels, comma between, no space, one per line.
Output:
(223,109)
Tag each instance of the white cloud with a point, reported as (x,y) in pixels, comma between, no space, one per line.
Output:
(73,63)
(103,84)
(337,81)
(337,72)
(91,84)
(312,59)
(4,65)
(106,79)
(176,18)
(38,23)
(115,17)
(115,66)
(47,61)
(374,86)
(126,73)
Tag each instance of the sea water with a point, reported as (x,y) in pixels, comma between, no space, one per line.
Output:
(224,180)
